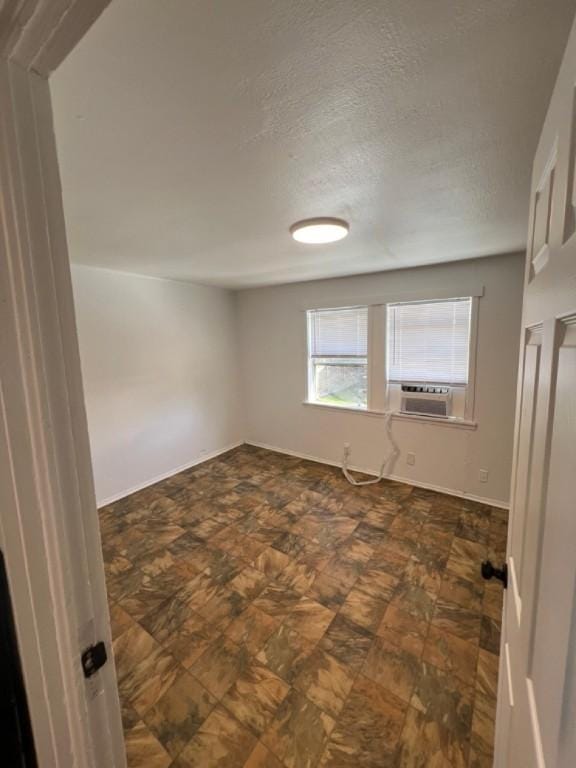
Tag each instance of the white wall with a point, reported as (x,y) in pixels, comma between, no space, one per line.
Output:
(273,353)
(159,362)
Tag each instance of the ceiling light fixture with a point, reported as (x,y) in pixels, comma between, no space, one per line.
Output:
(317,231)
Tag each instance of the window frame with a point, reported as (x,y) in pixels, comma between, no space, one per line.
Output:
(377,354)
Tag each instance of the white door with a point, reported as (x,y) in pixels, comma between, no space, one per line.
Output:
(536,718)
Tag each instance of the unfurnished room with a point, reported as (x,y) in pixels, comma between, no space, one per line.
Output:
(288,383)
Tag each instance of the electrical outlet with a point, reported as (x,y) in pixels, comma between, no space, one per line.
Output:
(483,475)
(346,446)
(411,458)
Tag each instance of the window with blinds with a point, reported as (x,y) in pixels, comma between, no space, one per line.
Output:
(338,356)
(429,341)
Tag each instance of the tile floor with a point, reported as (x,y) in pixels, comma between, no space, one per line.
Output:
(266,613)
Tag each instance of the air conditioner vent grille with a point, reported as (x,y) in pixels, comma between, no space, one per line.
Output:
(425,406)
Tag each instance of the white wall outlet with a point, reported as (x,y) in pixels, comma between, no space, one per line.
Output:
(483,475)
(411,458)
(347,446)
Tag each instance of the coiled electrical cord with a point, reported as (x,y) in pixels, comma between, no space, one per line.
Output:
(394,451)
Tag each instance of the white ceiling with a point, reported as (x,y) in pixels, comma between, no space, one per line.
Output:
(193,133)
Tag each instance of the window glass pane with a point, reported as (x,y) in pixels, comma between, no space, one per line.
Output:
(429,341)
(340,382)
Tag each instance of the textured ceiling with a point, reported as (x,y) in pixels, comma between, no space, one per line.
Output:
(193,133)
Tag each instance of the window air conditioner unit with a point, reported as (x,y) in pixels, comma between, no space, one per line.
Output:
(426,400)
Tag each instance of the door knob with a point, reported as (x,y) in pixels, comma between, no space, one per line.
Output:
(489,572)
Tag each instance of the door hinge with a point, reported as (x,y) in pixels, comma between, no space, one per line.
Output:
(94,658)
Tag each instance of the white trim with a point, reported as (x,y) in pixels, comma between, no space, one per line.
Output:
(397,296)
(508,668)
(166,475)
(436,421)
(48,520)
(395,478)
(535,722)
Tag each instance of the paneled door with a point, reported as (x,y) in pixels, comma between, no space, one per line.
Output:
(536,718)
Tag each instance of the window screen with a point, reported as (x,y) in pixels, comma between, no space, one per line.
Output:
(429,341)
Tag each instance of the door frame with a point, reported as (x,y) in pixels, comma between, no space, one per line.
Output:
(48,518)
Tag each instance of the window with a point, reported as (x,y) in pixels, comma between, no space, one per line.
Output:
(429,342)
(420,360)
(428,358)
(338,356)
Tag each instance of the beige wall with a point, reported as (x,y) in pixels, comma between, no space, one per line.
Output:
(273,355)
(159,363)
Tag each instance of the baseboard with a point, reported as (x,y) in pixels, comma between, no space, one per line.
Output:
(395,478)
(166,475)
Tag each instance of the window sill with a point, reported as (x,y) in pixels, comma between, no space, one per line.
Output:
(433,420)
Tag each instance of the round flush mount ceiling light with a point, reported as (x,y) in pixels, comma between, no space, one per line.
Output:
(318,231)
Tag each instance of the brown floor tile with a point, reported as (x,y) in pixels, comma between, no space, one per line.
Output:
(325,681)
(190,639)
(487,674)
(252,628)
(443,698)
(309,618)
(297,576)
(223,608)
(393,668)
(271,562)
(277,601)
(490,635)
(451,653)
(365,610)
(221,742)
(320,624)
(457,620)
(367,730)
(400,628)
(467,594)
(465,558)
(285,651)
(219,666)
(176,717)
(255,696)
(120,621)
(143,750)
(261,757)
(492,602)
(347,642)
(328,591)
(299,732)
(249,582)
(425,742)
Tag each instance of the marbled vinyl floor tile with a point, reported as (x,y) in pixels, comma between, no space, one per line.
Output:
(266,614)
(285,652)
(252,628)
(368,728)
(255,696)
(347,642)
(220,665)
(220,742)
(299,732)
(143,750)
(325,681)
(395,669)
(176,717)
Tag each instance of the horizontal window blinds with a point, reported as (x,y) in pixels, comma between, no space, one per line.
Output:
(338,332)
(429,341)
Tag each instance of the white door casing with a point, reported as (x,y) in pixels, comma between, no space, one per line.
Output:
(536,716)
(48,519)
